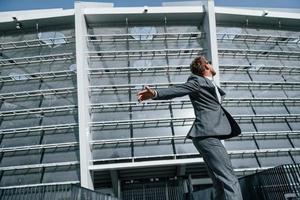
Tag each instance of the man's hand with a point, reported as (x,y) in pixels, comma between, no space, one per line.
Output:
(146,93)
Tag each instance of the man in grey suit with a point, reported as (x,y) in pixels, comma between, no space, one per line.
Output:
(212,123)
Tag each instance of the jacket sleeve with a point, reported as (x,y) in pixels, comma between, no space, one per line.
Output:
(190,86)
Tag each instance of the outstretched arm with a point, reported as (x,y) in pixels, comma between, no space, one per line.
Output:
(190,86)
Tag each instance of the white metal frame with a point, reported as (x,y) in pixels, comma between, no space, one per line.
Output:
(33,43)
(85,108)
(36,59)
(84,101)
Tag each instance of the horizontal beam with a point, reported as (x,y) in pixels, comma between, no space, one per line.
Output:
(38,76)
(37,59)
(258,53)
(144,37)
(39,184)
(143,53)
(41,110)
(190,119)
(33,43)
(38,128)
(257,38)
(292,70)
(138,70)
(34,166)
(122,162)
(186,103)
(181,138)
(38,147)
(248,84)
(119,166)
(34,93)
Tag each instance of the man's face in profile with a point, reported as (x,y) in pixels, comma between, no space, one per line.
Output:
(212,70)
(208,66)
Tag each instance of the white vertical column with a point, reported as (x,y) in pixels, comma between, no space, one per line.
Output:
(210,28)
(209,25)
(83,97)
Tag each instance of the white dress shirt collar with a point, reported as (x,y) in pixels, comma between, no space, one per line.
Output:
(209,77)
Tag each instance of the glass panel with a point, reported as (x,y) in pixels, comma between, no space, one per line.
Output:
(247,127)
(245,144)
(185,148)
(20,158)
(245,162)
(266,77)
(60,155)
(270,126)
(239,110)
(269,93)
(270,110)
(153,148)
(182,130)
(295,126)
(291,77)
(152,132)
(35,69)
(60,174)
(272,161)
(235,77)
(22,139)
(273,143)
(21,177)
(232,92)
(112,151)
(99,134)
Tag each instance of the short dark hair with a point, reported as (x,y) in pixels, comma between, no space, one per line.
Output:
(197,66)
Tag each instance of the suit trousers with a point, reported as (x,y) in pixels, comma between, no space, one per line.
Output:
(219,168)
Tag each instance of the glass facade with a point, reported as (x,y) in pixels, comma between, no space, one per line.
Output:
(39,122)
(69,111)
(261,66)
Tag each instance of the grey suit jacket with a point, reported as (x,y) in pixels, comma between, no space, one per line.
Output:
(212,120)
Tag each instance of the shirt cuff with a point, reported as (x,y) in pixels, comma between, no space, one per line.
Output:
(155,94)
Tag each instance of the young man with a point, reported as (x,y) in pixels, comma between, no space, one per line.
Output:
(212,123)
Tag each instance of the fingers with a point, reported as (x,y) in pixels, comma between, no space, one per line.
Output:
(140,98)
(143,93)
(147,88)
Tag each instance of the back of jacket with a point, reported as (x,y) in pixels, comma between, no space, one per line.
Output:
(212,120)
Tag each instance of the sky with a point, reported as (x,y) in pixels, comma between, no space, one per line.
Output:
(13,5)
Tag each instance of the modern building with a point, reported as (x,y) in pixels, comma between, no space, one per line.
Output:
(69,79)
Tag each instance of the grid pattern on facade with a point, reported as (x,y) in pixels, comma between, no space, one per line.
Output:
(122,59)
(38,107)
(259,69)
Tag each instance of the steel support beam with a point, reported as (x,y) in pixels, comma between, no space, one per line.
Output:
(83,100)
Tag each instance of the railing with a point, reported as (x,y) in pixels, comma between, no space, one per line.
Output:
(279,183)
(39,76)
(258,53)
(244,84)
(57,191)
(256,38)
(186,103)
(140,37)
(271,183)
(33,43)
(34,93)
(37,59)
(144,53)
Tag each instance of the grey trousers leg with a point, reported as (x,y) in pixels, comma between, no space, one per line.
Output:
(219,168)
